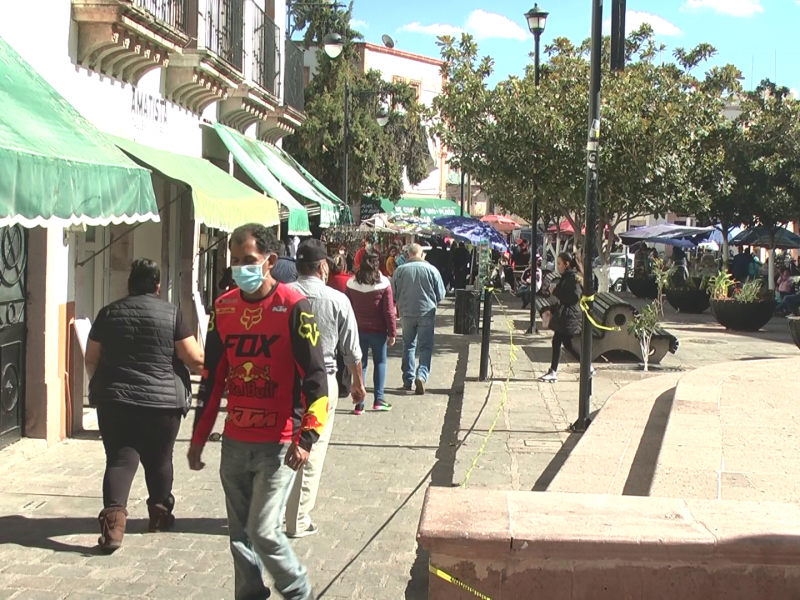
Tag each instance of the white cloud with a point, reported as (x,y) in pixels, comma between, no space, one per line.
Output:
(635,19)
(793,92)
(359,24)
(482,24)
(436,29)
(492,25)
(734,8)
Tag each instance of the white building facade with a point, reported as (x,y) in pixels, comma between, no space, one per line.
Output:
(156,72)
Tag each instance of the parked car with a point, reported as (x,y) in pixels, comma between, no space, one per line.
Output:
(616,273)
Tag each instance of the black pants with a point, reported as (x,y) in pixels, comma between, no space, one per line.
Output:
(560,339)
(133,433)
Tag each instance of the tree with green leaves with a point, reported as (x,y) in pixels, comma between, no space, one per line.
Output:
(458,115)
(653,116)
(379,156)
(766,161)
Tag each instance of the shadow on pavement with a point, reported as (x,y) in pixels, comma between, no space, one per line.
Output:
(32,532)
(555,465)
(643,470)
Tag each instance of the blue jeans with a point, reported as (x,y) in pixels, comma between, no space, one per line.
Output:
(257,485)
(377,343)
(417,330)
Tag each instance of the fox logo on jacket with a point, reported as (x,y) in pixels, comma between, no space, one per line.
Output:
(251,316)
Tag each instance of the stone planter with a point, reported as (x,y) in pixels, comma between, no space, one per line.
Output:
(742,316)
(691,302)
(794,329)
(643,287)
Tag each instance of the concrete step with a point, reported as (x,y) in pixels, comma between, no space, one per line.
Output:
(625,435)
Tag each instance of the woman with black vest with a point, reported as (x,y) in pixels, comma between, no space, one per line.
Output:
(137,357)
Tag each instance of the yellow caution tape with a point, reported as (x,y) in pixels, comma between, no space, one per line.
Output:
(584,303)
(456,582)
(512,358)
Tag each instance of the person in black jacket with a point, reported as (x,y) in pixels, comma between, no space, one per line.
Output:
(566,319)
(137,357)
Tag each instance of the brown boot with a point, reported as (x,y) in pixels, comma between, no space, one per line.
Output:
(161,517)
(112,528)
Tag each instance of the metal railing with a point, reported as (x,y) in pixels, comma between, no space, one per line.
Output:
(174,13)
(225,30)
(266,51)
(294,94)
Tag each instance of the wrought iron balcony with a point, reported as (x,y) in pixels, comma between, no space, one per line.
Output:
(174,13)
(125,39)
(225,30)
(266,51)
(294,94)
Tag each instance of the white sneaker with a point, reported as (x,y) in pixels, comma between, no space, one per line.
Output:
(549,377)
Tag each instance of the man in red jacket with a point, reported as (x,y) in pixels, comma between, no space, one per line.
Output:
(264,345)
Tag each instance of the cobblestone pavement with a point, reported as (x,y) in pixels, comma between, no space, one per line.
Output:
(376,473)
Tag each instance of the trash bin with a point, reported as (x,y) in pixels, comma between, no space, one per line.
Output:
(468,312)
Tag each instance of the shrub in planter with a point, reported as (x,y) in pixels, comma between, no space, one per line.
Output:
(643,287)
(691,298)
(744,308)
(794,329)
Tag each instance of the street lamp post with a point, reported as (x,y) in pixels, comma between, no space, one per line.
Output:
(537,19)
(333,44)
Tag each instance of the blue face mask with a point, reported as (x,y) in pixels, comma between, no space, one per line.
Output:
(248,277)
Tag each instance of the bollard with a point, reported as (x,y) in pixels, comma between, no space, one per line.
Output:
(486,335)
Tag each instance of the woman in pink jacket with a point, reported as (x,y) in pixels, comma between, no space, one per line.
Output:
(371,296)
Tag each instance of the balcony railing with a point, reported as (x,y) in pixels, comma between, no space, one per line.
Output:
(266,51)
(225,30)
(293,78)
(174,13)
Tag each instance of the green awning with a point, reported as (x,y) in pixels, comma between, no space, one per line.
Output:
(252,158)
(220,201)
(55,166)
(296,181)
(345,214)
(427,208)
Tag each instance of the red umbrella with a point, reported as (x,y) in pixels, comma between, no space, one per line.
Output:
(501,223)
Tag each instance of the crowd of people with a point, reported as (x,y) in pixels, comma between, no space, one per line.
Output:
(290,336)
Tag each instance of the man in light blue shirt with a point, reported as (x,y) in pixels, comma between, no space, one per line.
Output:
(418,289)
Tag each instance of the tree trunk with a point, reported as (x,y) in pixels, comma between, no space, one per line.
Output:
(604,252)
(725,249)
(771,262)
(645,345)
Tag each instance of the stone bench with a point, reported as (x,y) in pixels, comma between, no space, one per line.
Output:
(554,546)
(612,311)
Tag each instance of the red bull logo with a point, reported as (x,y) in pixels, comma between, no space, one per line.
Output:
(249,380)
(316,416)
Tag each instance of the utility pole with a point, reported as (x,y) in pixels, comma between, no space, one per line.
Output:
(592,174)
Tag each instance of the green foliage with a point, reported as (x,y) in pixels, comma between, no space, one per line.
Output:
(644,322)
(658,121)
(749,292)
(643,325)
(459,114)
(378,156)
(719,285)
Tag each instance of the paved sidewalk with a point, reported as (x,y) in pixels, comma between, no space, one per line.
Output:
(376,473)
(530,442)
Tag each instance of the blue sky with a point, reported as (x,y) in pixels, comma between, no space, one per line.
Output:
(747,33)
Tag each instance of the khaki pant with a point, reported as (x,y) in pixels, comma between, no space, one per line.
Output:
(303,496)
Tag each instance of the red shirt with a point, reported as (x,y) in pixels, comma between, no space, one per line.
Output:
(339,282)
(269,356)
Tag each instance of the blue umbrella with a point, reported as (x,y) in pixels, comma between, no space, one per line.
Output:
(473,231)
(677,242)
